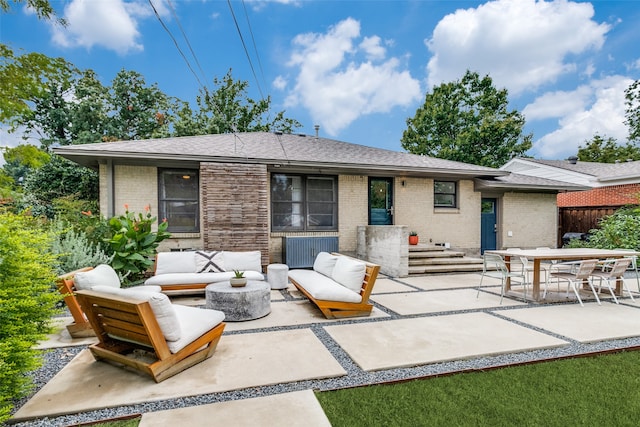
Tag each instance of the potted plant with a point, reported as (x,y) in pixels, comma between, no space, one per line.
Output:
(238,280)
(413,238)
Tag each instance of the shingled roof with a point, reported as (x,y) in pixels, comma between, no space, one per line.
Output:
(285,150)
(601,171)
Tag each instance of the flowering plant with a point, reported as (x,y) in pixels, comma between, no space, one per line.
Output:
(134,243)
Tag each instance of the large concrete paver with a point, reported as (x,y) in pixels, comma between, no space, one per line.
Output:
(295,409)
(419,341)
(440,301)
(590,323)
(240,361)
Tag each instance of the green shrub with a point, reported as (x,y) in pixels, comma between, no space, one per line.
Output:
(620,230)
(74,250)
(134,243)
(27,303)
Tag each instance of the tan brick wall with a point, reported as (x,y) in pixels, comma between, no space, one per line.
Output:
(414,205)
(102,189)
(137,187)
(531,218)
(353,210)
(460,227)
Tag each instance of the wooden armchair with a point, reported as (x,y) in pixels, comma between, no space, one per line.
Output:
(80,328)
(130,333)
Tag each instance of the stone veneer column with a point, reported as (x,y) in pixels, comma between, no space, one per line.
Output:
(235,215)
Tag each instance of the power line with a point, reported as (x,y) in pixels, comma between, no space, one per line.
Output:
(253,40)
(253,71)
(176,43)
(184,35)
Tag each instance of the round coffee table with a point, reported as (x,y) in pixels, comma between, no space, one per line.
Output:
(238,304)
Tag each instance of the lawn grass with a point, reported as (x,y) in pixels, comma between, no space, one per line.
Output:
(590,391)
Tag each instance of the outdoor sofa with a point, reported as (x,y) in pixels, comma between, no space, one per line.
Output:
(338,285)
(191,271)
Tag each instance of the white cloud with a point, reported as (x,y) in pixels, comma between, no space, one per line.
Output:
(280,83)
(112,24)
(371,45)
(338,87)
(596,108)
(521,44)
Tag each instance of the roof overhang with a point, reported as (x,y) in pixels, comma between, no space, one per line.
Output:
(92,159)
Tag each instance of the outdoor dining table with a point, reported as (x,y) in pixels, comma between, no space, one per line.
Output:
(562,254)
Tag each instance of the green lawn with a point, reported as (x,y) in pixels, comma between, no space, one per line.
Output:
(591,391)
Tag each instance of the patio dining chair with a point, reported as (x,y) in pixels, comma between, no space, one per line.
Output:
(613,273)
(494,266)
(633,266)
(576,279)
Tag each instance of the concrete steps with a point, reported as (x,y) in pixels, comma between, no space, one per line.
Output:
(424,259)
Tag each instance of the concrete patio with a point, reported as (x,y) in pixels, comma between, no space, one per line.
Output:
(417,322)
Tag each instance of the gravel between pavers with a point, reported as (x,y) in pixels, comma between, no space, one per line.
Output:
(56,359)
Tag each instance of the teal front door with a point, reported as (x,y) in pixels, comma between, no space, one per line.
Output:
(488,226)
(380,201)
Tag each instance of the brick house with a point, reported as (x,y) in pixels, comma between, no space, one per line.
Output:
(608,186)
(265,190)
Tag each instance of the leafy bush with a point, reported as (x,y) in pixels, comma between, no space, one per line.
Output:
(26,302)
(620,230)
(74,250)
(134,244)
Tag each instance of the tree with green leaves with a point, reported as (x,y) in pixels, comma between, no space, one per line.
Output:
(608,150)
(26,78)
(228,109)
(467,121)
(632,115)
(27,279)
(42,8)
(56,179)
(22,159)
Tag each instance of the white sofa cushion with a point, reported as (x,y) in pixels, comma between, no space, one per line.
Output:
(196,278)
(209,262)
(243,261)
(175,262)
(101,275)
(160,304)
(194,322)
(349,273)
(324,263)
(322,287)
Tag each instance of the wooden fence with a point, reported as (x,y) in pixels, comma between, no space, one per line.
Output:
(581,219)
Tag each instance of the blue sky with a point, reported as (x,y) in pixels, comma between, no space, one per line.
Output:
(359,69)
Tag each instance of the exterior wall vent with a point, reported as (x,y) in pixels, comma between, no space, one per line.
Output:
(300,252)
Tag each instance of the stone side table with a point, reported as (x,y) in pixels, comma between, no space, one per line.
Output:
(278,276)
(238,304)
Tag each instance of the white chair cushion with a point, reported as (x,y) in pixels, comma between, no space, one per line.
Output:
(322,287)
(349,273)
(194,278)
(175,262)
(101,275)
(209,262)
(243,261)
(324,263)
(194,322)
(160,304)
